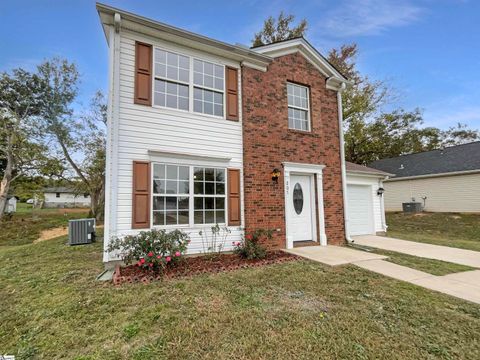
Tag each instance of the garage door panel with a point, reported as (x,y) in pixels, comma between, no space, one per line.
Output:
(360,210)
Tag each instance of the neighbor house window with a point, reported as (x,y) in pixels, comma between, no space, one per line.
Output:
(177,187)
(57,195)
(298,107)
(175,83)
(172,78)
(208,80)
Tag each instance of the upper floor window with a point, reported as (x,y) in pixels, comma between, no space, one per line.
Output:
(298,107)
(175,84)
(208,80)
(172,77)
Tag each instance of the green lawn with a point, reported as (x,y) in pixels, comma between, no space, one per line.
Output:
(51,307)
(431,266)
(456,230)
(26,224)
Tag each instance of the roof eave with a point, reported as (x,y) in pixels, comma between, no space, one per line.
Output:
(451,173)
(170,33)
(368,173)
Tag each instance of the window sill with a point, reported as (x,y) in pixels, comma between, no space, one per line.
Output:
(301,132)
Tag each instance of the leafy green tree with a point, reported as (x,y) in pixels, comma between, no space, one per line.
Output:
(371,133)
(80,139)
(21,103)
(279,29)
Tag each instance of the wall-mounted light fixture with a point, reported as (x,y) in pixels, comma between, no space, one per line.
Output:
(380,191)
(275,175)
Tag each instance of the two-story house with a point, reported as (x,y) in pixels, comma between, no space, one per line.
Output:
(202,132)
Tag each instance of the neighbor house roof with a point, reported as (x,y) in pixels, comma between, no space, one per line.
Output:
(362,169)
(60,189)
(454,159)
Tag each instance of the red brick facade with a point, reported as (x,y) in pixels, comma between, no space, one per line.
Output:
(268,142)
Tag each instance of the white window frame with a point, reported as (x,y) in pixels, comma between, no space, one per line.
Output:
(190,84)
(307,109)
(191,197)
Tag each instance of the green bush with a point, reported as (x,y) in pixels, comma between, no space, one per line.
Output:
(151,250)
(251,248)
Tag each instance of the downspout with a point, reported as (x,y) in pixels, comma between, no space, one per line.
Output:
(342,156)
(110,227)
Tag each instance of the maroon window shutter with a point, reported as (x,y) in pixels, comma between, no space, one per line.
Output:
(234,217)
(141,195)
(143,74)
(232,93)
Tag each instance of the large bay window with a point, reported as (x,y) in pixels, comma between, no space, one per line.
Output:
(178,78)
(188,195)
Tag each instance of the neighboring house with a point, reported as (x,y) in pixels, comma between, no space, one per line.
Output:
(11,206)
(197,130)
(64,197)
(445,180)
(365,203)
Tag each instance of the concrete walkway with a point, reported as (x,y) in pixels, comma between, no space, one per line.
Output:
(445,253)
(464,285)
(334,255)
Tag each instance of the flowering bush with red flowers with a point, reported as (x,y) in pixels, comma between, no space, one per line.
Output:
(251,248)
(151,250)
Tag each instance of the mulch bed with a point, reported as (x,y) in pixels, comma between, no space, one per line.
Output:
(192,266)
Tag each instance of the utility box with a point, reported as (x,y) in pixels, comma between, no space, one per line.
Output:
(412,207)
(81,231)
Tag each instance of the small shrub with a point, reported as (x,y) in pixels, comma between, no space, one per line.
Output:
(151,250)
(213,243)
(251,248)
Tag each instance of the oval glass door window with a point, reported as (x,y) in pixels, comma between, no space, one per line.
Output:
(298,198)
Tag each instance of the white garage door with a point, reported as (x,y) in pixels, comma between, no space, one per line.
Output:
(360,212)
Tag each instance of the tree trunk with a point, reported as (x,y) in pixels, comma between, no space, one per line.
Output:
(5,184)
(97,205)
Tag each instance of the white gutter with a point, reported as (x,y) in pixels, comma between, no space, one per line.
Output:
(342,156)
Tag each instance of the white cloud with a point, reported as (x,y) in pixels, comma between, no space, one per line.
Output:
(368,17)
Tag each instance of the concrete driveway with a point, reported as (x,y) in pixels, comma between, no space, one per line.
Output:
(429,251)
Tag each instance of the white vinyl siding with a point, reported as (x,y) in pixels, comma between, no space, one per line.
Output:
(150,128)
(459,193)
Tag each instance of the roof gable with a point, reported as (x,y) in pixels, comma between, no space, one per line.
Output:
(334,78)
(460,158)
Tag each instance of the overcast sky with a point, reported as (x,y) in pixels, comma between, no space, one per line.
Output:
(429,50)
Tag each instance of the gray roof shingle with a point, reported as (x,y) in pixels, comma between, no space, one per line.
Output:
(352,167)
(464,157)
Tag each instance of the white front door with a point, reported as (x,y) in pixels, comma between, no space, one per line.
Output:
(300,208)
